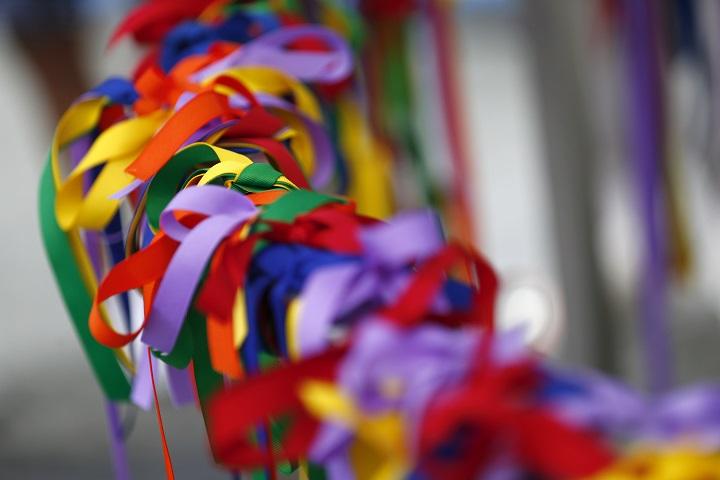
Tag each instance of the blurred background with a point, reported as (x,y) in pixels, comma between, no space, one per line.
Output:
(588,224)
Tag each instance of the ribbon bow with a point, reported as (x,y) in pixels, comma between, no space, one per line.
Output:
(170,268)
(339,289)
(271,50)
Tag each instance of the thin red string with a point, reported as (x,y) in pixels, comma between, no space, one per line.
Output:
(166,451)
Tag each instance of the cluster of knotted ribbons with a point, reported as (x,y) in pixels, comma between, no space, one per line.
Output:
(183,218)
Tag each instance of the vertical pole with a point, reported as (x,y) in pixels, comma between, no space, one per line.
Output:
(554,38)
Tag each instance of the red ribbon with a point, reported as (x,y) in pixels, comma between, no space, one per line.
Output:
(237,410)
(151,21)
(493,410)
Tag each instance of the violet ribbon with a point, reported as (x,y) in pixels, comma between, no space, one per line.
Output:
(226,210)
(323,153)
(691,413)
(118,451)
(396,369)
(388,250)
(182,391)
(179,385)
(142,392)
(647,156)
(270,50)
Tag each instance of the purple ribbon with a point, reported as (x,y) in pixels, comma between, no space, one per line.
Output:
(323,152)
(117,442)
(226,210)
(270,50)
(182,391)
(618,411)
(647,156)
(379,276)
(142,393)
(179,385)
(395,369)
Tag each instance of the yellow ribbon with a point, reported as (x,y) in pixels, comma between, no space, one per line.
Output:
(274,82)
(115,148)
(379,450)
(369,162)
(79,119)
(675,464)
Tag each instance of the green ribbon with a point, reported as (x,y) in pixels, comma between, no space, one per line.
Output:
(77,299)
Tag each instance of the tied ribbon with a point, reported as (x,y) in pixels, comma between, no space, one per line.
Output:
(203,108)
(243,174)
(415,302)
(271,50)
(390,375)
(332,227)
(310,143)
(150,22)
(594,401)
(253,128)
(170,268)
(237,410)
(328,227)
(389,372)
(113,150)
(494,407)
(225,211)
(340,288)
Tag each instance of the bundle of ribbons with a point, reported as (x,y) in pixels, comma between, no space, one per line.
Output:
(225,217)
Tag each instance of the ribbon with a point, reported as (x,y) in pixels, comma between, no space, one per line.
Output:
(691,414)
(492,408)
(241,407)
(77,299)
(341,288)
(151,22)
(117,442)
(225,211)
(113,150)
(647,155)
(270,49)
(387,370)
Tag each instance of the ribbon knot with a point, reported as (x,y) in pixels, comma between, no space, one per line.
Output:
(271,49)
(338,289)
(170,268)
(225,211)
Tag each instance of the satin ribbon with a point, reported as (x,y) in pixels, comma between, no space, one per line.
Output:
(182,251)
(645,106)
(151,22)
(493,411)
(242,406)
(681,462)
(393,372)
(225,211)
(690,414)
(386,371)
(113,150)
(254,128)
(226,293)
(270,49)
(382,271)
(66,250)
